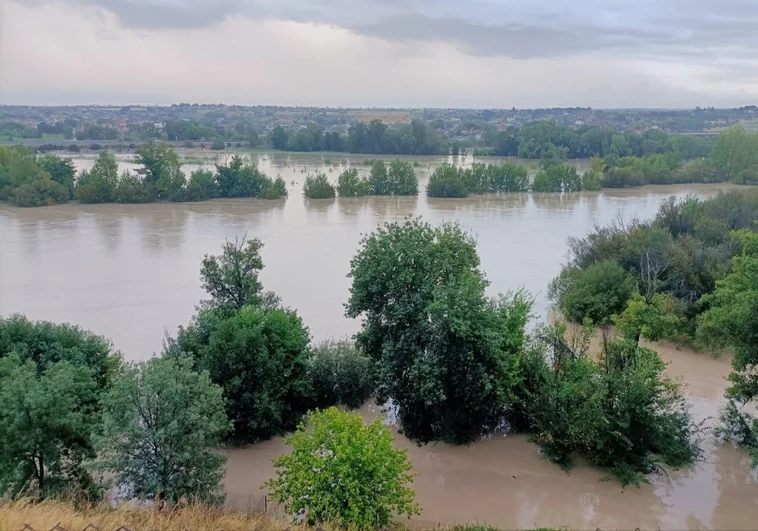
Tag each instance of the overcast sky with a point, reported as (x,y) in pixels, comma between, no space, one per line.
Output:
(398,53)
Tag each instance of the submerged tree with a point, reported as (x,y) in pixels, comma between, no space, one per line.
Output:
(446,355)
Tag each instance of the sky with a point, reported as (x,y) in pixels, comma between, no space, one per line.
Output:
(381,53)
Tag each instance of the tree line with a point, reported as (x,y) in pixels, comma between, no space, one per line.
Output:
(456,364)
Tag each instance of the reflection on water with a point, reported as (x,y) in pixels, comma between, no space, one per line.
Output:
(128,271)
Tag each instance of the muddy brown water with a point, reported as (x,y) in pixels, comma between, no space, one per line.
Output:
(130,272)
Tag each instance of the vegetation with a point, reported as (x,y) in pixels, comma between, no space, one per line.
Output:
(619,412)
(340,374)
(160,421)
(445,354)
(350,184)
(557,178)
(344,473)
(51,378)
(397,179)
(680,255)
(318,187)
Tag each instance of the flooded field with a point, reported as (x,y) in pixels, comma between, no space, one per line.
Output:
(131,272)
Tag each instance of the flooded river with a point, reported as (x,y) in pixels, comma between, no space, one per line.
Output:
(131,272)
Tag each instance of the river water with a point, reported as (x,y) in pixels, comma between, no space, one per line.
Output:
(131,272)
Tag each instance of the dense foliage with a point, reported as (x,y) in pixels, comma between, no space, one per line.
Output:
(344,473)
(318,187)
(161,421)
(340,374)
(732,319)
(399,178)
(680,255)
(619,412)
(446,355)
(557,178)
(51,379)
(449,180)
(256,351)
(350,184)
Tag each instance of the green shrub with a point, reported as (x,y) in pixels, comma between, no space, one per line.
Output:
(218,145)
(622,178)
(596,293)
(350,184)
(39,192)
(507,177)
(747,176)
(133,189)
(344,473)
(341,374)
(318,187)
(201,186)
(557,178)
(699,171)
(446,181)
(276,189)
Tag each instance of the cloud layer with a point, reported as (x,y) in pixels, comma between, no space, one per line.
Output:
(478,53)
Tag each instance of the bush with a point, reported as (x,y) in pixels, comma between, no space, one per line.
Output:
(133,189)
(596,293)
(276,189)
(39,192)
(344,473)
(504,178)
(239,179)
(622,178)
(402,178)
(747,176)
(621,413)
(350,184)
(340,374)
(218,145)
(557,178)
(189,144)
(446,181)
(201,186)
(318,187)
(697,172)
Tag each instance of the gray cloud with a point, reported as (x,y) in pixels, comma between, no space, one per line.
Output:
(696,29)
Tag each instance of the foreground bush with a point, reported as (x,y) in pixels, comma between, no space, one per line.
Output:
(318,187)
(343,472)
(620,413)
(340,374)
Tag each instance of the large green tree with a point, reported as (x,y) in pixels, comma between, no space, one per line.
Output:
(735,150)
(344,473)
(446,355)
(161,170)
(161,424)
(98,185)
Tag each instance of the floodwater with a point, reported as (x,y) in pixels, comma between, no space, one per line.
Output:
(131,272)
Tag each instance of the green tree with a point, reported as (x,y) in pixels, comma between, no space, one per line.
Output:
(557,178)
(732,319)
(734,150)
(239,179)
(39,192)
(161,170)
(61,171)
(446,355)
(446,181)
(318,187)
(340,374)
(99,184)
(218,145)
(201,186)
(231,278)
(596,293)
(259,357)
(654,320)
(47,414)
(344,473)
(402,178)
(378,179)
(161,423)
(350,184)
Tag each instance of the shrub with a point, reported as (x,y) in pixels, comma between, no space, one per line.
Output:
(621,413)
(402,178)
(557,178)
(201,186)
(341,374)
(189,144)
(276,189)
(39,192)
(318,187)
(344,473)
(747,176)
(218,145)
(133,189)
(622,178)
(697,172)
(596,293)
(507,177)
(350,184)
(446,181)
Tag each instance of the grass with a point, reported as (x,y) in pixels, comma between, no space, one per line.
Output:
(44,516)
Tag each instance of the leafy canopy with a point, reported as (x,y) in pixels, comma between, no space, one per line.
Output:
(343,472)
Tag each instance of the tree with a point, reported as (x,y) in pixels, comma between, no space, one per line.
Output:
(732,319)
(218,145)
(99,184)
(47,414)
(402,178)
(61,171)
(161,422)
(378,179)
(734,150)
(259,357)
(40,192)
(161,170)
(350,184)
(446,181)
(446,355)
(318,187)
(279,138)
(557,178)
(231,278)
(340,374)
(596,293)
(239,179)
(344,473)
(654,320)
